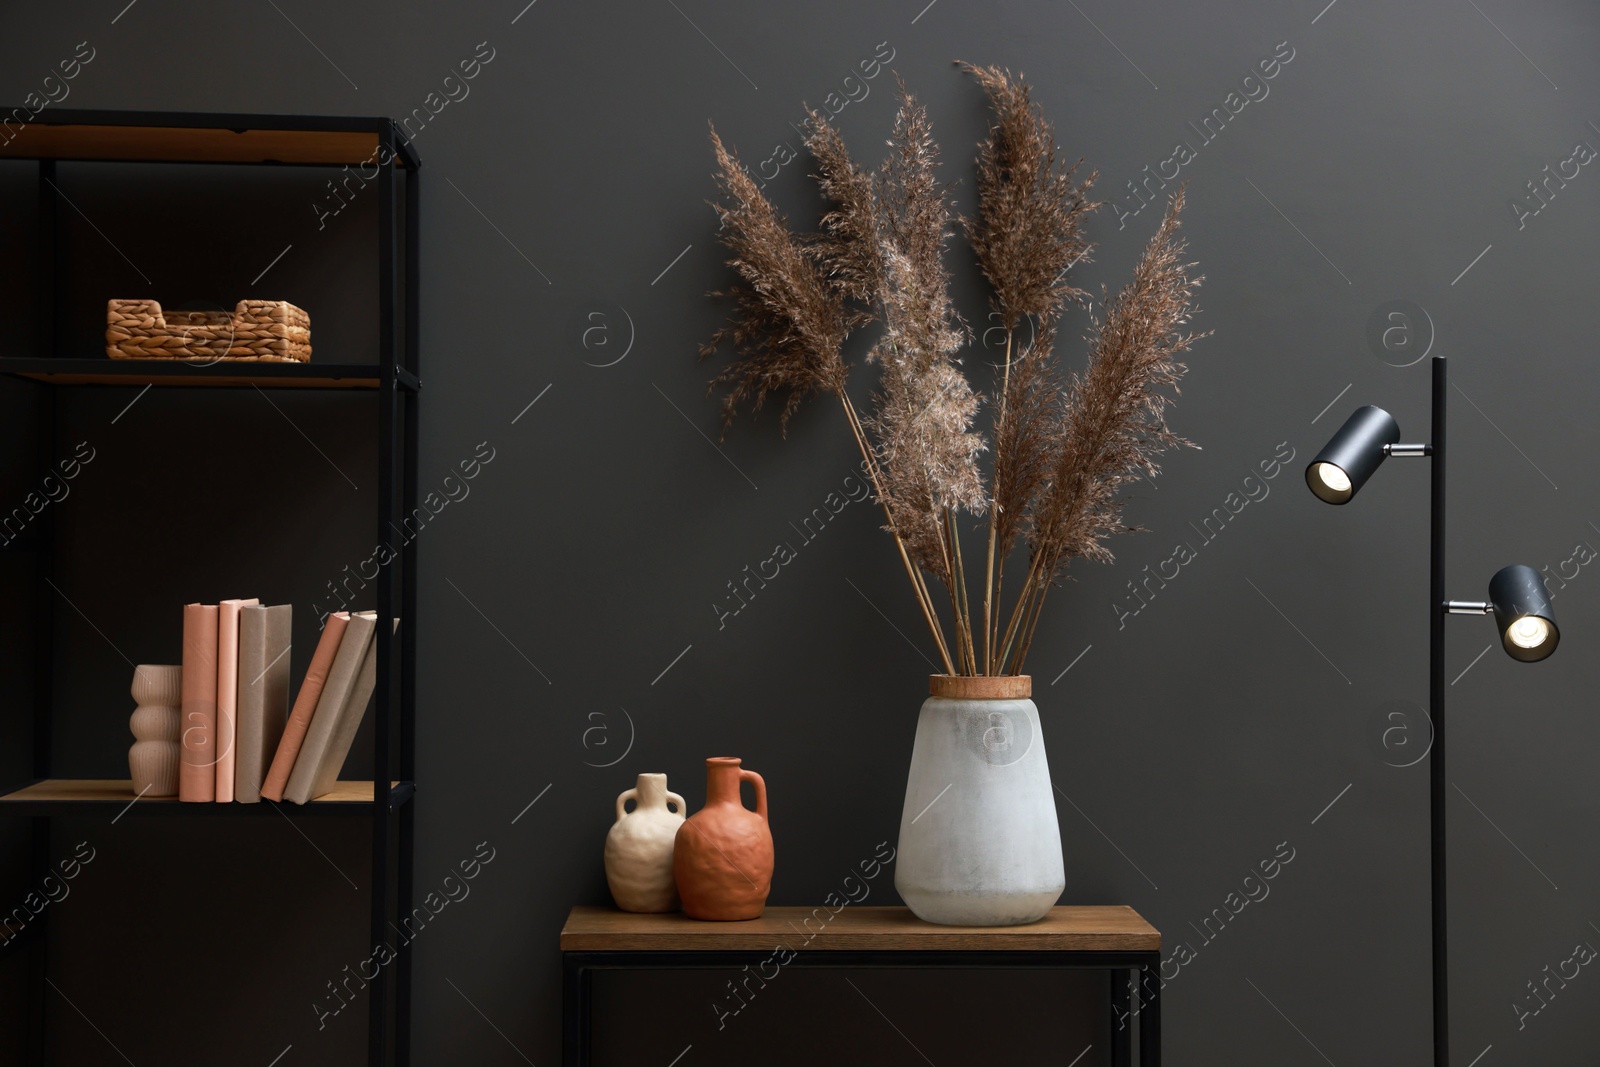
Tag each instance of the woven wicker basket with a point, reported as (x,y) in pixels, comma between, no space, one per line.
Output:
(256,330)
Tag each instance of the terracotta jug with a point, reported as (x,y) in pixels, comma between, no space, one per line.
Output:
(723,858)
(639,847)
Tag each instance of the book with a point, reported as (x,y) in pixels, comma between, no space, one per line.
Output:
(263,699)
(344,701)
(305,705)
(197,779)
(228,694)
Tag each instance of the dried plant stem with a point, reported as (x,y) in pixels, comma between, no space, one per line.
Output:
(1040,572)
(1028,630)
(1017,611)
(994,637)
(992,627)
(1024,610)
(990,592)
(963,609)
(924,601)
(955,598)
(988,598)
(1030,621)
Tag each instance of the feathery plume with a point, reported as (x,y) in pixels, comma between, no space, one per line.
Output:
(1027,236)
(1112,424)
(1029,228)
(788,324)
(848,237)
(923,425)
(1114,421)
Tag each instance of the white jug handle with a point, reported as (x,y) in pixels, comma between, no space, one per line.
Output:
(622,801)
(683,809)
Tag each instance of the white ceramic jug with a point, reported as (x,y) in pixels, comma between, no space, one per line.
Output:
(639,847)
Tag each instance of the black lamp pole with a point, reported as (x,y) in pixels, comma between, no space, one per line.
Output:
(1517,599)
(1438,608)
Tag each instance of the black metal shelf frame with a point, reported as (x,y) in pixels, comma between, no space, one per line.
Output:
(395,382)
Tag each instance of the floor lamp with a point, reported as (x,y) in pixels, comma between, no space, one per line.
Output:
(1518,601)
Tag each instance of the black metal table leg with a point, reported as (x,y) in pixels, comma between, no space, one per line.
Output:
(1121,1019)
(1134,987)
(1149,1016)
(575,997)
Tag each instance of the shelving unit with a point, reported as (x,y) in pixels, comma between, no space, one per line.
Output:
(65,135)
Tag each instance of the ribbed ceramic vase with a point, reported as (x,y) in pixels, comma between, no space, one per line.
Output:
(979,843)
(153,758)
(639,847)
(723,855)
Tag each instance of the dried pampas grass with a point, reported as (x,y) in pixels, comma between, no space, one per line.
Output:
(1111,423)
(1029,229)
(1063,447)
(789,324)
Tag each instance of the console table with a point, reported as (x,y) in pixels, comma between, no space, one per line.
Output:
(1116,939)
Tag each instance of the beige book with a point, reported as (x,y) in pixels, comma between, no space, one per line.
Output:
(264,635)
(228,694)
(318,749)
(305,705)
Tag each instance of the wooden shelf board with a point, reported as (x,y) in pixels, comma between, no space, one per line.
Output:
(43,139)
(1069,928)
(63,795)
(169,372)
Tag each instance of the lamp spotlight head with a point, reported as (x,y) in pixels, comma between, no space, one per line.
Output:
(1522,613)
(1352,454)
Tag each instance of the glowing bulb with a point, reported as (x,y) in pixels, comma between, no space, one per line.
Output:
(1333,477)
(1530,631)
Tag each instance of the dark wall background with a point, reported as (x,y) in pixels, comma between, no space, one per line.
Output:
(567,616)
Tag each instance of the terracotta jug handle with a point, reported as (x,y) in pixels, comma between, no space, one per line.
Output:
(676,799)
(761,790)
(622,801)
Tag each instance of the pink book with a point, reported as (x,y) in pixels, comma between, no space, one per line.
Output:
(228,693)
(197,780)
(305,705)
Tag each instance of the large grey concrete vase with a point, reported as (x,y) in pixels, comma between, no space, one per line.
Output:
(979,843)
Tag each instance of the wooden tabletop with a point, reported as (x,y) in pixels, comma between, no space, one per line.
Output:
(1071,928)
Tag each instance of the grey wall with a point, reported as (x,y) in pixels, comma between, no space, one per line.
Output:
(1280,673)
